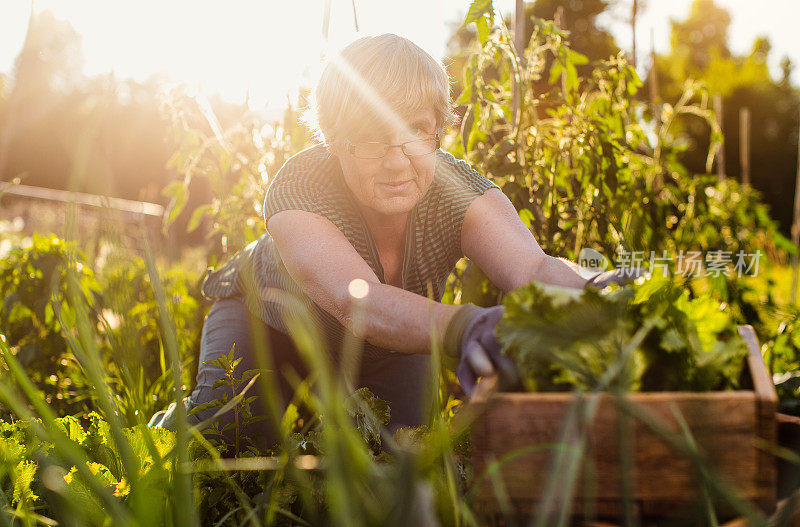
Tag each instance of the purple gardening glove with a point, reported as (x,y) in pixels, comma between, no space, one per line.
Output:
(616,276)
(470,338)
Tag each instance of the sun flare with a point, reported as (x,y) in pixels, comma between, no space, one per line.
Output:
(249,50)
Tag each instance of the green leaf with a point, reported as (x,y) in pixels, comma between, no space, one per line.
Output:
(179,192)
(81,496)
(197,216)
(571,79)
(482,25)
(466,95)
(555,72)
(576,58)
(369,412)
(481,13)
(249,374)
(671,340)
(479,9)
(527,217)
(289,419)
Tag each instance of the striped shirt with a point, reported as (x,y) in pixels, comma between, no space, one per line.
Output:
(312,181)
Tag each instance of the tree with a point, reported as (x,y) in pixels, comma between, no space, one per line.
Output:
(50,60)
(699,50)
(701,37)
(61,129)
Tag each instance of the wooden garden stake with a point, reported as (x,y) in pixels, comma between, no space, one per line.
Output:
(326,20)
(519,28)
(634,9)
(519,49)
(744,144)
(355,16)
(796,225)
(654,97)
(721,146)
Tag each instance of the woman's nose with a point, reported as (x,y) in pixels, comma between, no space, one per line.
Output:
(396,159)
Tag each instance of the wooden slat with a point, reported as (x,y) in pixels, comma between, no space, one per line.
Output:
(80,198)
(718,424)
(786,418)
(767,426)
(762,381)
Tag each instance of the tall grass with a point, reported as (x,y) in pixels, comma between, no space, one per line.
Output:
(415,481)
(161,478)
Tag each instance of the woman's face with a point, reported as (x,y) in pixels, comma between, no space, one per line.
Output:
(393,184)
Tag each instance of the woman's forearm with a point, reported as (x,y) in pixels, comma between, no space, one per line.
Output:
(392,318)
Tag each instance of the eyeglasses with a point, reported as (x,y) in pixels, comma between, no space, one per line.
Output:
(376,150)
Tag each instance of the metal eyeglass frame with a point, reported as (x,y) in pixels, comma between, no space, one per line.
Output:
(350,147)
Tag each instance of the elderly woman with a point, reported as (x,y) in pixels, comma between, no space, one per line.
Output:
(377,205)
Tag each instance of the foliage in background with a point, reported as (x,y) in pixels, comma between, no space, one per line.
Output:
(33,284)
(591,171)
(54,116)
(699,50)
(33,289)
(236,162)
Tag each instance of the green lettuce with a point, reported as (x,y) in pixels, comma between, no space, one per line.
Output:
(646,336)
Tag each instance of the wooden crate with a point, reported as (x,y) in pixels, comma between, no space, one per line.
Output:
(731,429)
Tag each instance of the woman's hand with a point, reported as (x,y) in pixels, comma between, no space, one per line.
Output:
(470,336)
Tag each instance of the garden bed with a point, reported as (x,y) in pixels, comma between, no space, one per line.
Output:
(572,453)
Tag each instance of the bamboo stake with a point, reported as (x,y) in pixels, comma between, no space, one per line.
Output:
(355,16)
(326,20)
(744,144)
(519,28)
(559,16)
(796,224)
(654,96)
(721,146)
(519,48)
(634,9)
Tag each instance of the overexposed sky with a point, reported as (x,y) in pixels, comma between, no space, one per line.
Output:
(776,19)
(267,47)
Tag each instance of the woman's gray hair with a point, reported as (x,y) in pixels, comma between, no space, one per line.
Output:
(377,82)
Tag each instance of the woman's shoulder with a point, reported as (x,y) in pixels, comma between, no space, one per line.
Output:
(308,181)
(313,167)
(453,174)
